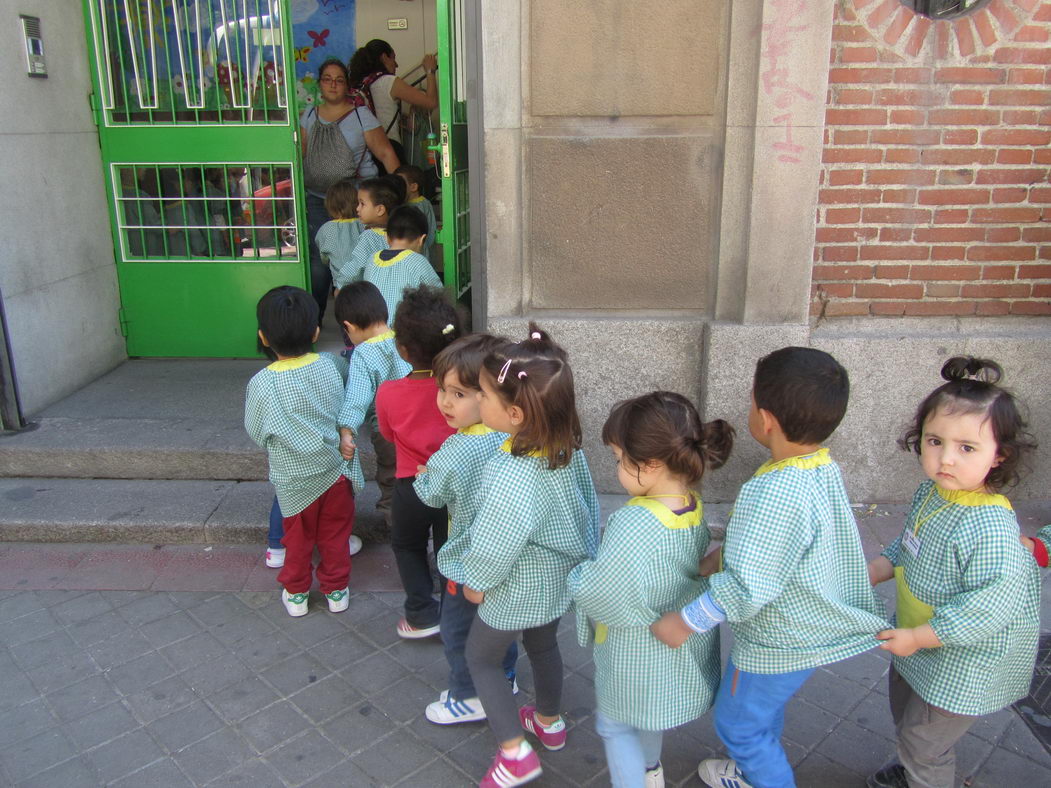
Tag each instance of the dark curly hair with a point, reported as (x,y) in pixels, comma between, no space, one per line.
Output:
(972,388)
(425,323)
(665,426)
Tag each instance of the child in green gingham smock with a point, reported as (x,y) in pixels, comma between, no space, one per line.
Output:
(985,594)
(423,205)
(336,240)
(647,564)
(392,270)
(369,242)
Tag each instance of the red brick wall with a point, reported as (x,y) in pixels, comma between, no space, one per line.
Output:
(934,196)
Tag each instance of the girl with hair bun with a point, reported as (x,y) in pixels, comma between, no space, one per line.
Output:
(649,554)
(537,518)
(967,618)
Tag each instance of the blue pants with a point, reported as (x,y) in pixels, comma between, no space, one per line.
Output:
(277,527)
(630,751)
(749,718)
(456,618)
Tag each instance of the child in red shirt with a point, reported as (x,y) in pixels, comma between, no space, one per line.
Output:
(408,416)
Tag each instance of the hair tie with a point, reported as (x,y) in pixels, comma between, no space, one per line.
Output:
(536,335)
(503,371)
(522,374)
(448,329)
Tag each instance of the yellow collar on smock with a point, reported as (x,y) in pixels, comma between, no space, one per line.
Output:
(379,262)
(972,498)
(380,337)
(667,517)
(476,429)
(286,364)
(806,461)
(506,446)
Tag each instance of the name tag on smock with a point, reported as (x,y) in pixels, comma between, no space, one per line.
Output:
(911,543)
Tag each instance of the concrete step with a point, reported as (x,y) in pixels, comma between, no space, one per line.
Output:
(147,511)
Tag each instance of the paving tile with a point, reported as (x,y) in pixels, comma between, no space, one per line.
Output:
(121,597)
(830,692)
(243,698)
(867,669)
(61,670)
(1019,740)
(213,756)
(341,651)
(81,607)
(344,774)
(118,649)
(169,629)
(32,625)
(18,605)
(679,757)
(382,629)
(406,699)
(807,724)
(315,628)
(971,754)
(28,655)
(159,774)
(873,713)
(15,687)
(243,628)
(438,774)
(217,674)
(579,761)
(394,757)
(74,773)
(267,649)
(181,728)
(1005,768)
(219,609)
(991,727)
(305,757)
(856,748)
(358,727)
(200,648)
(254,773)
(78,699)
(139,673)
(28,719)
(417,654)
(123,755)
(32,756)
(146,609)
(101,725)
(295,674)
(373,674)
(326,698)
(445,737)
(160,699)
(272,726)
(817,771)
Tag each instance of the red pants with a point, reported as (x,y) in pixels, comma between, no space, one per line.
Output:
(326,524)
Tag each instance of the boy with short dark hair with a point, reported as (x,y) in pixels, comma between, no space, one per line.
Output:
(414,179)
(794,584)
(362,313)
(290,410)
(402,265)
(337,237)
(377,199)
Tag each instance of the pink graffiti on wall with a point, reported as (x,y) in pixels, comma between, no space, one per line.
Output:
(777,75)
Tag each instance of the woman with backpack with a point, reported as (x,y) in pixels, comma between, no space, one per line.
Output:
(337,137)
(372,74)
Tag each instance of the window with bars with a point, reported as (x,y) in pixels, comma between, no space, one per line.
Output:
(205,211)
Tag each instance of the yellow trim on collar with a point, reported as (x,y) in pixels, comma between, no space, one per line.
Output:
(804,461)
(380,231)
(286,364)
(380,337)
(972,498)
(379,262)
(506,446)
(476,429)
(667,517)
(345,221)
(415,200)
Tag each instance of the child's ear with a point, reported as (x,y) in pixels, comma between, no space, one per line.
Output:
(516,414)
(317,333)
(347,326)
(262,338)
(769,420)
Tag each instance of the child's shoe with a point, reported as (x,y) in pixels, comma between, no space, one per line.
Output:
(275,557)
(407,630)
(512,679)
(338,601)
(449,712)
(507,770)
(355,544)
(719,773)
(552,736)
(295,604)
(655,777)
(892,776)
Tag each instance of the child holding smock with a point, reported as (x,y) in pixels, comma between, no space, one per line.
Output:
(337,237)
(967,621)
(452,477)
(793,584)
(537,520)
(647,563)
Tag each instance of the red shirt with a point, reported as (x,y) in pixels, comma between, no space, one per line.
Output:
(408,415)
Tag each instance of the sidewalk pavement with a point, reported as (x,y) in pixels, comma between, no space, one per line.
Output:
(158,685)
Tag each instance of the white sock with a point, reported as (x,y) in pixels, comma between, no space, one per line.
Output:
(520,752)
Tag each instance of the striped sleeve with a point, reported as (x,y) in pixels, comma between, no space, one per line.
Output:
(360,392)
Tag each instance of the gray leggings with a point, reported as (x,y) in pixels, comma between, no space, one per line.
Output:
(486,648)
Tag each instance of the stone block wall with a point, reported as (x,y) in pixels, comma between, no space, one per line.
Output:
(934,189)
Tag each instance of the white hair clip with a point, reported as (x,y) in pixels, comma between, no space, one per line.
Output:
(522,374)
(448,329)
(536,335)
(503,372)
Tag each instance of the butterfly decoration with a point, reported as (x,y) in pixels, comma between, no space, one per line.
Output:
(319,38)
(302,53)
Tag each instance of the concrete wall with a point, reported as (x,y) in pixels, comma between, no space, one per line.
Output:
(410,45)
(57,273)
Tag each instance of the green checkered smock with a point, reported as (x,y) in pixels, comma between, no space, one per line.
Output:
(423,205)
(290,410)
(373,362)
(985,591)
(336,240)
(647,564)
(533,525)
(371,241)
(1044,535)
(406,269)
(794,583)
(454,479)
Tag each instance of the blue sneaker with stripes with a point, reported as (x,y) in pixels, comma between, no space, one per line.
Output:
(448,711)
(722,773)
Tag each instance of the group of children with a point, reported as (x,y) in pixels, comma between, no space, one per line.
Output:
(488,466)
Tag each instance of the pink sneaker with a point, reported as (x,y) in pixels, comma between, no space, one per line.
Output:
(553,736)
(506,772)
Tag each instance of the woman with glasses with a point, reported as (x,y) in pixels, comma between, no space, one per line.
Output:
(337,137)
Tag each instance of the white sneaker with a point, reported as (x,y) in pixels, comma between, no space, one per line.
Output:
(449,712)
(338,601)
(355,544)
(655,777)
(722,773)
(295,604)
(444,696)
(275,557)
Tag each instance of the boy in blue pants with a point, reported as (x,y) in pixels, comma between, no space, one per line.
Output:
(793,584)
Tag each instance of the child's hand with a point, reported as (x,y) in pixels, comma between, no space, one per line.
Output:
(710,563)
(346,444)
(472,596)
(880,569)
(1028,544)
(899,642)
(671,630)
(421,469)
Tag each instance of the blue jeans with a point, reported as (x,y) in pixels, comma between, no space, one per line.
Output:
(277,527)
(630,751)
(456,618)
(749,718)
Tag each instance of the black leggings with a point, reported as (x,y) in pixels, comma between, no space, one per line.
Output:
(412,524)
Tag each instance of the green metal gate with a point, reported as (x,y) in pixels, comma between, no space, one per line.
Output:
(198,149)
